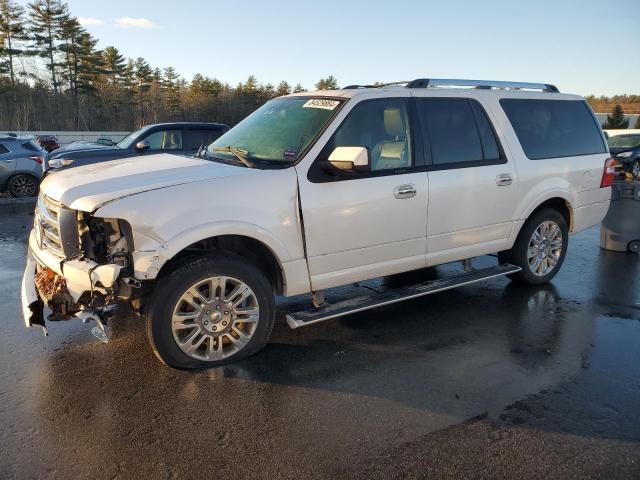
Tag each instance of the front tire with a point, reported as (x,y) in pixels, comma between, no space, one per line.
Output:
(213,310)
(635,169)
(540,248)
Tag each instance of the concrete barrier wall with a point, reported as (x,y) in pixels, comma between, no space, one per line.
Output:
(65,138)
(613,133)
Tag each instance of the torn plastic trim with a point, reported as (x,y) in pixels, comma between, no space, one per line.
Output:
(32,306)
(86,276)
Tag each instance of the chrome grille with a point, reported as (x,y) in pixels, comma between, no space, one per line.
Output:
(47,225)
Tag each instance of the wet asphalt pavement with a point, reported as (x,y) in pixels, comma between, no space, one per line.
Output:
(492,380)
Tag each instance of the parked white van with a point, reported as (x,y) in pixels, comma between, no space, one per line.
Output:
(312,191)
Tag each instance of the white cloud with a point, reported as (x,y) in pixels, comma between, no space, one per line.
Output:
(90,21)
(128,22)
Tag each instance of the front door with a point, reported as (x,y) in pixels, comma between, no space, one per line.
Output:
(168,140)
(368,224)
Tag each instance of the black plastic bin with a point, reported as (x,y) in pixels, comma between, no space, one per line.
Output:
(620,229)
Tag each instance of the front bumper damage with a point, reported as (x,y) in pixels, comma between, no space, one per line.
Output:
(75,288)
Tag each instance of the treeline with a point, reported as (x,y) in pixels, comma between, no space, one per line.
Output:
(629,103)
(52,77)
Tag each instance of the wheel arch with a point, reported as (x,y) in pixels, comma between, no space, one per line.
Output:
(557,202)
(248,247)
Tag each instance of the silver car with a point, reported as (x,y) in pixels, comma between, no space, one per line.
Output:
(20,165)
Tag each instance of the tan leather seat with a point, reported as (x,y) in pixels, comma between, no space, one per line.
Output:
(392,153)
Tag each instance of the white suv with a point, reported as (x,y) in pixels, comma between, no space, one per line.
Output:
(312,191)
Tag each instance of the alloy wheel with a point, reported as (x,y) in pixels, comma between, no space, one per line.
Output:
(545,248)
(215,318)
(23,186)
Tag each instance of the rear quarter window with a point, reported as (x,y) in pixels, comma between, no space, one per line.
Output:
(32,146)
(554,128)
(3,149)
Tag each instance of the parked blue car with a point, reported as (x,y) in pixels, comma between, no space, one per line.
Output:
(178,138)
(21,162)
(625,149)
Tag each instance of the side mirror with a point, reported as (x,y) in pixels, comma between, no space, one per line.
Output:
(350,159)
(143,145)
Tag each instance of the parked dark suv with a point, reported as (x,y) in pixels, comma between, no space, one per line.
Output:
(181,138)
(625,149)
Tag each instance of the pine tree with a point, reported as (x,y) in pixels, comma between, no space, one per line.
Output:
(298,88)
(616,120)
(12,32)
(143,77)
(329,83)
(283,88)
(172,93)
(114,64)
(83,63)
(46,18)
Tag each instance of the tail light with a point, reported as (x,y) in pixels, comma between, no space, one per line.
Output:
(609,173)
(37,159)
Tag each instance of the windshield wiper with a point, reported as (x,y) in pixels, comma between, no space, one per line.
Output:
(239,154)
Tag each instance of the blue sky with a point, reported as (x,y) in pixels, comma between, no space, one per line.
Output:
(562,42)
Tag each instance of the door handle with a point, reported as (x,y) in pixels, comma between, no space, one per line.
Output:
(404,191)
(504,179)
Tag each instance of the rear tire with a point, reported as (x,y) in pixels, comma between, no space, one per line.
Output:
(192,320)
(23,185)
(540,247)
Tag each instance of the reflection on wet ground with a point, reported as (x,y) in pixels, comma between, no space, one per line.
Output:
(339,398)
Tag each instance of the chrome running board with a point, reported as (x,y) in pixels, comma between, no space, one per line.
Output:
(346,307)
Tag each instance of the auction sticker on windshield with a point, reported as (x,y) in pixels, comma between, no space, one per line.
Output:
(321,103)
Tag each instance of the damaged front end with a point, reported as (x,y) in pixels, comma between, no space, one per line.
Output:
(78,266)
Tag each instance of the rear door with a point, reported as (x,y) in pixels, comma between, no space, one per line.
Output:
(472,184)
(7,162)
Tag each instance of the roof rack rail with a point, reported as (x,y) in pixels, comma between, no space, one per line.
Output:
(481,84)
(376,85)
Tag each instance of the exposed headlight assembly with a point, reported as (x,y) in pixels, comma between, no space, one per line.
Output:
(59,162)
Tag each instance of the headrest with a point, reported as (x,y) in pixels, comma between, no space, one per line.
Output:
(393,122)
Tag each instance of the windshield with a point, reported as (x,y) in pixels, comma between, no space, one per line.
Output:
(279,131)
(127,141)
(624,141)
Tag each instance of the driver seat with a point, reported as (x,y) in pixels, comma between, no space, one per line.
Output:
(392,153)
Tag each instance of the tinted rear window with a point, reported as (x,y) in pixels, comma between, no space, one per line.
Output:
(554,128)
(458,130)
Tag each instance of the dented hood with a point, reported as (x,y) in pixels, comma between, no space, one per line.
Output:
(88,187)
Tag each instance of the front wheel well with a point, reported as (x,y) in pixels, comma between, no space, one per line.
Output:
(254,250)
